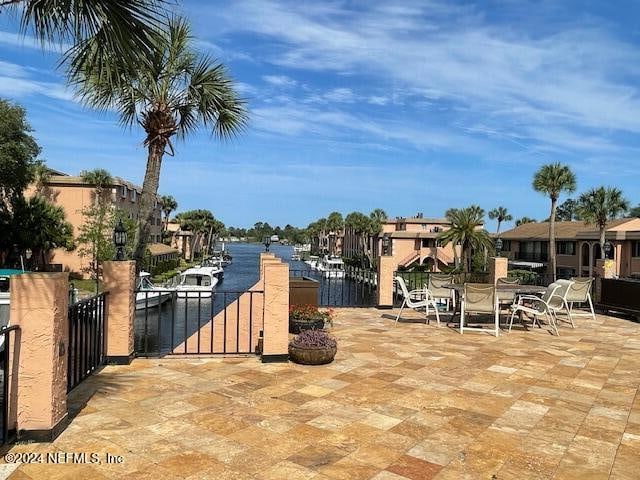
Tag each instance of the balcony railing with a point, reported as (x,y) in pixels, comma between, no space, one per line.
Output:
(531,256)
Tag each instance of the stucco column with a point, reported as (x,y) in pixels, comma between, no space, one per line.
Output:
(275,346)
(498,268)
(386,267)
(119,279)
(603,269)
(38,383)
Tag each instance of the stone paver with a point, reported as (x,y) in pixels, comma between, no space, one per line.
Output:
(411,401)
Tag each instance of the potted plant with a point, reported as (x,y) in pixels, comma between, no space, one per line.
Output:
(313,347)
(308,317)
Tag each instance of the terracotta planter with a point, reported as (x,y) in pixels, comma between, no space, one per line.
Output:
(297,326)
(312,355)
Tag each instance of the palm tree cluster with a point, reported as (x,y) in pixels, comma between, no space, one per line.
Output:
(325,231)
(466,231)
(596,206)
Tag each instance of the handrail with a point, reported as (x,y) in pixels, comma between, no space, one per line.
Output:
(9,328)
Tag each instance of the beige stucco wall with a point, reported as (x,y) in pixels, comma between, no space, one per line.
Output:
(73,198)
(386,267)
(119,281)
(276,309)
(39,304)
(498,268)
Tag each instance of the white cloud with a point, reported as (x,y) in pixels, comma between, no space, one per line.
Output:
(17,81)
(377,100)
(22,41)
(280,80)
(579,78)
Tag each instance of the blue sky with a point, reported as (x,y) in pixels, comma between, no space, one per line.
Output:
(410,106)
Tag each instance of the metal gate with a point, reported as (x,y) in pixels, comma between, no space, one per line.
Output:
(86,338)
(6,344)
(196,322)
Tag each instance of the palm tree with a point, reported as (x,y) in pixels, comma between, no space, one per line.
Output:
(43,227)
(552,180)
(599,205)
(502,215)
(168,204)
(335,224)
(523,220)
(104,34)
(100,179)
(466,231)
(377,217)
(175,93)
(360,224)
(41,176)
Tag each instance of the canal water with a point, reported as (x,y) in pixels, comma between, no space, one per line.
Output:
(159,329)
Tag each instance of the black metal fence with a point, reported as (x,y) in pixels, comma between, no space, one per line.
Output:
(620,294)
(86,338)
(5,346)
(170,322)
(355,287)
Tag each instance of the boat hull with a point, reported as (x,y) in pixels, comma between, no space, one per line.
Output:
(149,298)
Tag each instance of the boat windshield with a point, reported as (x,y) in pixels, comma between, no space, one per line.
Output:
(145,284)
(197,280)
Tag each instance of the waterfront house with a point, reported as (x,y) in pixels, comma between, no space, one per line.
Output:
(577,246)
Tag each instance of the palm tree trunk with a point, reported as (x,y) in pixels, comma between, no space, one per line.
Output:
(552,238)
(603,240)
(498,229)
(149,191)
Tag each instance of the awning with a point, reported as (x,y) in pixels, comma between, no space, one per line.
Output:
(520,263)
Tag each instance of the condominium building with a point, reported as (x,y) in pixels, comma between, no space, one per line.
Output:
(577,246)
(413,241)
(73,194)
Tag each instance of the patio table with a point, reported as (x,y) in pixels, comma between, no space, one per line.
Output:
(458,288)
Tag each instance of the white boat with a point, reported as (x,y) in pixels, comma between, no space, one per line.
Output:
(198,282)
(313,262)
(217,265)
(332,267)
(147,294)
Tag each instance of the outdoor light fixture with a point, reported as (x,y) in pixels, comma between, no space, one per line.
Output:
(386,244)
(607,249)
(498,246)
(267,243)
(120,239)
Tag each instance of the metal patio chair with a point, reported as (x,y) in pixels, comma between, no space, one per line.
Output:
(580,292)
(549,305)
(436,285)
(416,299)
(507,297)
(479,298)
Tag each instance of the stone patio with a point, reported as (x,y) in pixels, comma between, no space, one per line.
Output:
(407,402)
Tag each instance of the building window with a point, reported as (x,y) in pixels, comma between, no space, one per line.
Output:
(506,245)
(565,272)
(635,250)
(566,248)
(133,195)
(123,191)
